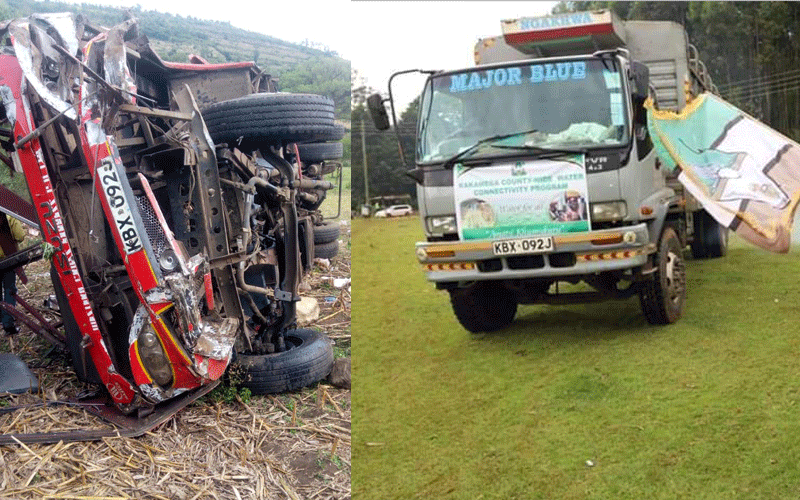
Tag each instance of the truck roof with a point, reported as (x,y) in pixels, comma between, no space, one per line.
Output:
(662,45)
(564,34)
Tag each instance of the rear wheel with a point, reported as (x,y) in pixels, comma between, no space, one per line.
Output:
(326,232)
(309,359)
(316,152)
(485,306)
(710,237)
(326,250)
(663,294)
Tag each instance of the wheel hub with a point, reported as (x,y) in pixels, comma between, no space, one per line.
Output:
(676,276)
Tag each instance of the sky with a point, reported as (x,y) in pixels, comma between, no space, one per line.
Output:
(425,35)
(378,37)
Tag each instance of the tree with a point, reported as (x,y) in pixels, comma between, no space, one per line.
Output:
(385,170)
(321,75)
(751,50)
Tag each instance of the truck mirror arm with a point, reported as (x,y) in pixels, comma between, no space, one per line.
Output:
(391,105)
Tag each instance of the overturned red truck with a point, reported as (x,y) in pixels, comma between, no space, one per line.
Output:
(181,202)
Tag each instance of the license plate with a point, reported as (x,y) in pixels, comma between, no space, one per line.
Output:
(120,210)
(539,244)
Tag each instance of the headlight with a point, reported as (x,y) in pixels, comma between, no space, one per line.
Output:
(609,211)
(441,224)
(153,357)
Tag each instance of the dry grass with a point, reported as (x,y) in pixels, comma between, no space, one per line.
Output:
(291,446)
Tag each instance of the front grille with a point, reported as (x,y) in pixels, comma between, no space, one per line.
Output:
(565,259)
(517,262)
(525,262)
(490,265)
(155,233)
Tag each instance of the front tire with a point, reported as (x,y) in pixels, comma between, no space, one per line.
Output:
(663,294)
(485,306)
(309,360)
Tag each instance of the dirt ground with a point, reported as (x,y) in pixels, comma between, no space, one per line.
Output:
(294,445)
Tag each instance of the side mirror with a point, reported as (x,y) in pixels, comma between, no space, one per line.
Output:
(378,112)
(640,74)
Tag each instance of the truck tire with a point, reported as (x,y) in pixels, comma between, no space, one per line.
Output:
(335,133)
(326,250)
(271,118)
(326,232)
(710,237)
(309,360)
(316,152)
(485,306)
(664,292)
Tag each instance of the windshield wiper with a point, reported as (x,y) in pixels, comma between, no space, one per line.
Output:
(451,161)
(543,149)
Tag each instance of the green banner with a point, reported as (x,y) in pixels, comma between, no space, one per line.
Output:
(524,198)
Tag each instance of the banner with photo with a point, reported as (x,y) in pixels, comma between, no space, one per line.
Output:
(744,173)
(523,198)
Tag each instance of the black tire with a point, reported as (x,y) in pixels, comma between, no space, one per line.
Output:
(664,292)
(308,361)
(326,250)
(316,152)
(335,133)
(271,118)
(710,237)
(326,232)
(485,306)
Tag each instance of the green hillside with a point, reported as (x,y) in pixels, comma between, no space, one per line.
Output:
(299,68)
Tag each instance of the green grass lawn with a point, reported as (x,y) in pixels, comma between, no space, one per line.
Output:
(705,408)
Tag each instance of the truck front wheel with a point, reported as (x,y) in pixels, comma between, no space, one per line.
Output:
(663,294)
(485,306)
(307,360)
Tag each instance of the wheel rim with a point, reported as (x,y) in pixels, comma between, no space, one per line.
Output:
(293,342)
(675,273)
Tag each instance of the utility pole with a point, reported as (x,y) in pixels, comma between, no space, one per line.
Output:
(364,155)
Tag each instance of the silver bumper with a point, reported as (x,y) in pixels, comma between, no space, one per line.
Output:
(573,254)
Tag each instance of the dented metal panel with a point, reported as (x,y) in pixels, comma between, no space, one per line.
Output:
(170,305)
(209,88)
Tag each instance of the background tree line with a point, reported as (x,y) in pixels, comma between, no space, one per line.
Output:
(386,175)
(751,50)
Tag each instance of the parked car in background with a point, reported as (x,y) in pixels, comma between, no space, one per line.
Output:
(395,211)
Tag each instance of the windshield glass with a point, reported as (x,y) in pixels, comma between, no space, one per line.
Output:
(564,104)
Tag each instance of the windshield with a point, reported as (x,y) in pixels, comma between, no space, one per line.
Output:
(560,104)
